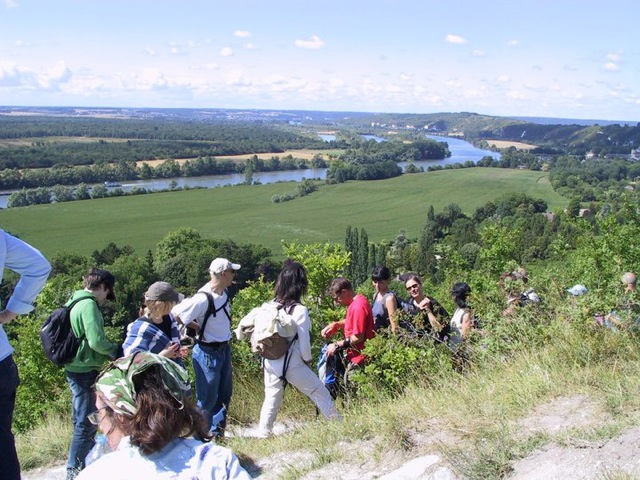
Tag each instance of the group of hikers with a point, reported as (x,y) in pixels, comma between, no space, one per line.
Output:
(142,400)
(138,393)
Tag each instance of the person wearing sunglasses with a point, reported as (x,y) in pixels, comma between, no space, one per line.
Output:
(153,427)
(429,317)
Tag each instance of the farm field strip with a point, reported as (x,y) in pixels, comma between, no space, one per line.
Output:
(246,214)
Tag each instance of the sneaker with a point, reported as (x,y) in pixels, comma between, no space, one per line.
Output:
(72,473)
(261,433)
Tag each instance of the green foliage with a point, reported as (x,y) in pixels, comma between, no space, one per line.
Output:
(396,362)
(43,389)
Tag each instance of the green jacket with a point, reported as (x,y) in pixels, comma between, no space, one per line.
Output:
(88,325)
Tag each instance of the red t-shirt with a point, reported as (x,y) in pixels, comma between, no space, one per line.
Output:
(359,320)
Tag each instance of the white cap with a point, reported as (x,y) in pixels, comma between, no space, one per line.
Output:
(220,265)
(577,290)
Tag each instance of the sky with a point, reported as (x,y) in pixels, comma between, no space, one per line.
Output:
(575,59)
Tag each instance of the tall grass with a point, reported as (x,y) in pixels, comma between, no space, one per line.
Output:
(470,418)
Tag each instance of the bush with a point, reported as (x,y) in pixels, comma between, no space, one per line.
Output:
(395,362)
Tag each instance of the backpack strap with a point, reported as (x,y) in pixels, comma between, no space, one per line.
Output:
(212,311)
(287,356)
(73,304)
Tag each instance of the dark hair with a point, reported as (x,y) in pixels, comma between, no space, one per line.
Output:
(339,284)
(292,283)
(413,277)
(160,417)
(380,273)
(403,277)
(96,277)
(460,292)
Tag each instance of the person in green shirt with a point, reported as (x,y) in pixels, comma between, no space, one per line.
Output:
(94,351)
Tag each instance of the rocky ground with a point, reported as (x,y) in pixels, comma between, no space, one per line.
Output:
(563,459)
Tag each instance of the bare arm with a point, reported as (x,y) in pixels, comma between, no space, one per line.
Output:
(392,307)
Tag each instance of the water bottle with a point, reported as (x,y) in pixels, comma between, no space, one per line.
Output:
(100,448)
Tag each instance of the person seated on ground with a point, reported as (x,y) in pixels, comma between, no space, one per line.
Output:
(153,426)
(429,316)
(156,331)
(576,291)
(626,313)
(357,326)
(293,368)
(462,320)
(385,302)
(514,286)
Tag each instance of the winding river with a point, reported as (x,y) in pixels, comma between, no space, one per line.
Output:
(461,152)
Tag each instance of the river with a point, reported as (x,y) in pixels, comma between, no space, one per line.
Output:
(461,151)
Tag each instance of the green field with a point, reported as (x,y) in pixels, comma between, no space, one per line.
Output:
(245,214)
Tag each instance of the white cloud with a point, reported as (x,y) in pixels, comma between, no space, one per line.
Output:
(152,79)
(513,43)
(611,67)
(479,53)
(53,77)
(237,78)
(250,46)
(313,43)
(13,76)
(456,39)
(405,76)
(242,34)
(226,52)
(10,3)
(150,51)
(504,78)
(614,57)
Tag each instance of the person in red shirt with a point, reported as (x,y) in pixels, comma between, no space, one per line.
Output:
(357,326)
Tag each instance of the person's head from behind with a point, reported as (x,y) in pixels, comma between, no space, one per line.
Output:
(413,284)
(341,291)
(380,278)
(460,291)
(146,397)
(160,298)
(101,283)
(291,283)
(629,280)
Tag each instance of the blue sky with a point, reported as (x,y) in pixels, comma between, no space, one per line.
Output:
(553,58)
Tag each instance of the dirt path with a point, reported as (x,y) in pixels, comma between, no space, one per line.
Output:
(567,457)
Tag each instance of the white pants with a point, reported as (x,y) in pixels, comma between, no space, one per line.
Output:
(300,376)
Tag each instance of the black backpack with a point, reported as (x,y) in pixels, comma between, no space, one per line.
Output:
(212,310)
(59,343)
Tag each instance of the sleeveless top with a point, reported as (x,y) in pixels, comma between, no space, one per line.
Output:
(455,328)
(379,310)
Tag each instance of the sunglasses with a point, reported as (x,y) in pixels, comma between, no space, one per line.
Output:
(94,418)
(411,287)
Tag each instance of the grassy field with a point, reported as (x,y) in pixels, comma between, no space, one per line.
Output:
(507,144)
(305,154)
(247,215)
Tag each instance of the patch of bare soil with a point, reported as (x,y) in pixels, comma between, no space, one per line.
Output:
(586,461)
(566,457)
(574,458)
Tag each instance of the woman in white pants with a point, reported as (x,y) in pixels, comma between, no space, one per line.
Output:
(290,286)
